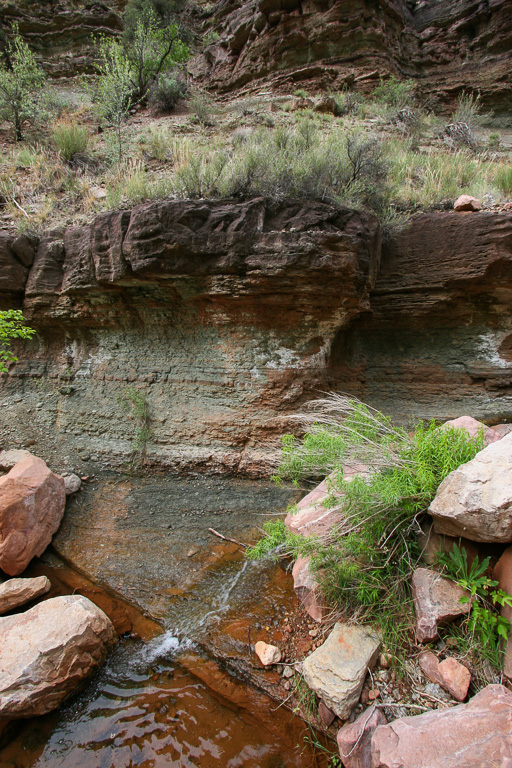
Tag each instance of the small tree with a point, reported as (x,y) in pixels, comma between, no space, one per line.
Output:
(152,50)
(11,327)
(21,82)
(114,89)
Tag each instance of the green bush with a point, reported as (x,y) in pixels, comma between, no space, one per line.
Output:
(395,93)
(299,163)
(11,327)
(70,139)
(166,91)
(364,563)
(504,178)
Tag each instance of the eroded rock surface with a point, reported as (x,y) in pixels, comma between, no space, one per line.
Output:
(336,671)
(436,603)
(478,733)
(450,46)
(475,500)
(32,502)
(47,651)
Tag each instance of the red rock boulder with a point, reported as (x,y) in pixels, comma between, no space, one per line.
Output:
(32,501)
(471,735)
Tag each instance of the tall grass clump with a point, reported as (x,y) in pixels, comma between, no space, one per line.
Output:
(70,139)
(291,163)
(364,563)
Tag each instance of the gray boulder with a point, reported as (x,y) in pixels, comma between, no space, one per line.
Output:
(336,671)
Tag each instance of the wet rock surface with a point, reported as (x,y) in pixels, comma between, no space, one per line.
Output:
(47,652)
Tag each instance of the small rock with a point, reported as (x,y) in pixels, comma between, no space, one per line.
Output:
(287,685)
(449,674)
(326,105)
(307,589)
(467,203)
(193,551)
(72,483)
(9,459)
(436,602)
(313,632)
(16,592)
(373,694)
(385,660)
(354,739)
(337,669)
(267,654)
(287,672)
(473,427)
(326,715)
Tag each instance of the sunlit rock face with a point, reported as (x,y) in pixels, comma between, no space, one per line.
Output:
(448,45)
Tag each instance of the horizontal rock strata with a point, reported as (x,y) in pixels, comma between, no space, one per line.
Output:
(225,317)
(448,45)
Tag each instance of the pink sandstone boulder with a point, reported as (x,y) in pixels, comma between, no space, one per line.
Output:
(473,735)
(436,603)
(355,739)
(307,589)
(449,674)
(47,651)
(16,592)
(475,500)
(474,427)
(432,544)
(32,501)
(467,203)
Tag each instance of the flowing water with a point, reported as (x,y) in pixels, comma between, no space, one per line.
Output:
(184,692)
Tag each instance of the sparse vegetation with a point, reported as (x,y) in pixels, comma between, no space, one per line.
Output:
(365,562)
(21,86)
(135,403)
(70,139)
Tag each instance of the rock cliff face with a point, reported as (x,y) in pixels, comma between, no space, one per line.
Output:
(222,315)
(227,316)
(60,31)
(448,45)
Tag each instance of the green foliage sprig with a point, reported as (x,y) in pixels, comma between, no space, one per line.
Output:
(486,599)
(11,327)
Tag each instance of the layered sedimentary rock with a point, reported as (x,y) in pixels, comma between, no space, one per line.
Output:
(61,31)
(438,339)
(225,317)
(221,315)
(448,45)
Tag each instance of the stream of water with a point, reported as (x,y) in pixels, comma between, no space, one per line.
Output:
(168,700)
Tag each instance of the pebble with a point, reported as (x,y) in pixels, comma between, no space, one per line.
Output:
(313,632)
(287,672)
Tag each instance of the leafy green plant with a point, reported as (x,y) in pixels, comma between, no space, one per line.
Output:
(275,534)
(113,92)
(395,93)
(306,698)
(484,620)
(494,143)
(300,93)
(166,91)
(70,139)
(364,563)
(21,85)
(11,327)
(151,50)
(202,108)
(135,402)
(504,178)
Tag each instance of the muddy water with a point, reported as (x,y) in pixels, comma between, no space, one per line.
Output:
(187,691)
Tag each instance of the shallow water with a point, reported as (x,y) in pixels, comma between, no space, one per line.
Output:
(145,709)
(192,694)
